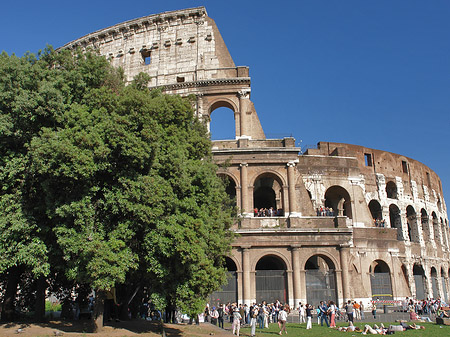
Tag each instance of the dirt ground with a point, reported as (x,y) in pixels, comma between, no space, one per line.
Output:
(130,328)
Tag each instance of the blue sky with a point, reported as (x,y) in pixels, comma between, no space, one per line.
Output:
(366,72)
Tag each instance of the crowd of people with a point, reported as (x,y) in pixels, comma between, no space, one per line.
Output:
(324,211)
(267,212)
(379,223)
(327,313)
(243,315)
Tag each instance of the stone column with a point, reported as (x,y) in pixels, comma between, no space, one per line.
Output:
(293,209)
(344,256)
(296,274)
(243,102)
(244,191)
(246,289)
(303,296)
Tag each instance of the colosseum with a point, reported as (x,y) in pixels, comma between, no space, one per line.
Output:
(334,223)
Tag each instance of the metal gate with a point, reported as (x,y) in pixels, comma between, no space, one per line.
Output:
(434,287)
(444,289)
(228,292)
(381,286)
(420,289)
(271,286)
(320,286)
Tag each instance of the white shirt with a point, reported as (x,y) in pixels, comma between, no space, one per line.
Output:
(282,315)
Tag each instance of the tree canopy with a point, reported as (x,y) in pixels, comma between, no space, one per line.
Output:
(107,183)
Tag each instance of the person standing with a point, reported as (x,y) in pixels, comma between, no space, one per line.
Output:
(221,313)
(308,310)
(214,316)
(323,310)
(301,313)
(282,318)
(374,310)
(332,312)
(349,310)
(236,321)
(253,316)
(361,309)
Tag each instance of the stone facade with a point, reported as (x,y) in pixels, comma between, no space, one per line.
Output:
(387,235)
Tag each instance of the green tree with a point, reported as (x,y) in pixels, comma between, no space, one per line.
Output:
(127,186)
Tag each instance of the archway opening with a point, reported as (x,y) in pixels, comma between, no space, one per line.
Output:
(396,220)
(320,279)
(434,283)
(267,196)
(391,190)
(425,224)
(271,280)
(437,237)
(228,292)
(413,231)
(419,280)
(377,214)
(337,198)
(230,186)
(380,280)
(222,124)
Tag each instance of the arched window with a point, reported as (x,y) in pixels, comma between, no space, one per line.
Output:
(391,190)
(337,198)
(222,123)
(396,220)
(377,214)
(437,236)
(413,231)
(425,224)
(268,196)
(434,282)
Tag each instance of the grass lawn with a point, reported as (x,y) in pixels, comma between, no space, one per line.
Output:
(295,329)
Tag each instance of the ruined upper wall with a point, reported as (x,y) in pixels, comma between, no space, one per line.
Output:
(418,180)
(172,47)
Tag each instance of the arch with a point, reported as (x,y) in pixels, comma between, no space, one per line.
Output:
(337,198)
(396,220)
(434,282)
(230,185)
(437,237)
(419,280)
(445,234)
(229,291)
(271,279)
(380,280)
(222,123)
(411,217)
(320,277)
(425,224)
(376,212)
(391,190)
(268,195)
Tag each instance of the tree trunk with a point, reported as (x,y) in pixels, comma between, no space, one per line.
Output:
(8,307)
(39,311)
(99,308)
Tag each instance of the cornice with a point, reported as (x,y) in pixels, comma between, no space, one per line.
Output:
(207,83)
(132,24)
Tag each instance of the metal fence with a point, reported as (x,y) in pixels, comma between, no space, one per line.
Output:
(321,286)
(381,286)
(271,286)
